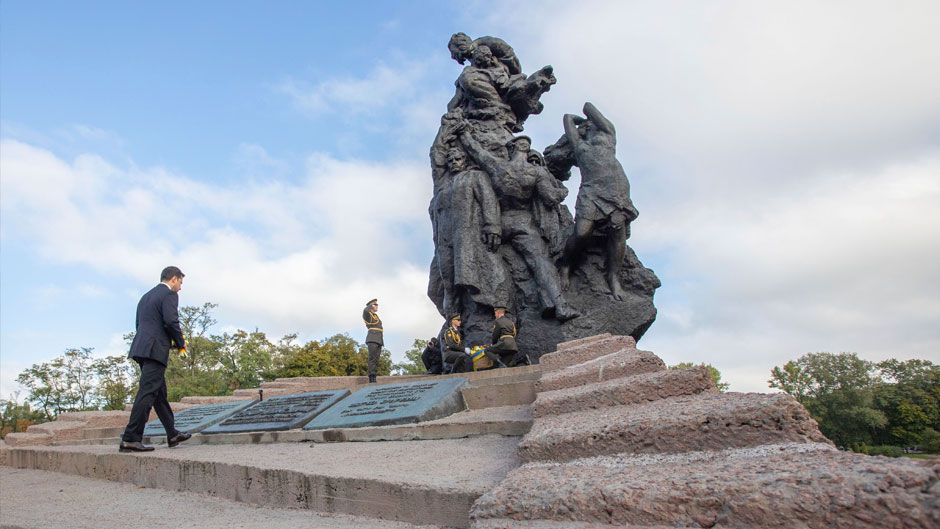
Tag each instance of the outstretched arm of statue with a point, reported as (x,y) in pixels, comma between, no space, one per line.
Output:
(571,129)
(451,125)
(598,119)
(490,163)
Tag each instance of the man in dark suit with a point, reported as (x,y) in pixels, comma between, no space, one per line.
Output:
(158,329)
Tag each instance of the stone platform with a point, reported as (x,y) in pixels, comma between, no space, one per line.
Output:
(76,502)
(606,438)
(399,481)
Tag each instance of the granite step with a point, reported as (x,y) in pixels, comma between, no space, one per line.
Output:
(711,421)
(199,401)
(418,482)
(491,395)
(109,432)
(78,502)
(571,344)
(636,389)
(288,386)
(625,362)
(584,352)
(780,486)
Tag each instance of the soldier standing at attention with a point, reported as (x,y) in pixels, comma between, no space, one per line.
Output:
(504,352)
(374,339)
(453,350)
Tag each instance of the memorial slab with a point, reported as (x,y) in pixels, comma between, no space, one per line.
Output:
(404,403)
(283,412)
(198,418)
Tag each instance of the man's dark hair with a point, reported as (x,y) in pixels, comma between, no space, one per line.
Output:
(170,272)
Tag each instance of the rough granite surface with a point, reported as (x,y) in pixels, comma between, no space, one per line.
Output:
(581,341)
(97,419)
(585,352)
(783,486)
(627,390)
(677,424)
(59,430)
(623,363)
(15,439)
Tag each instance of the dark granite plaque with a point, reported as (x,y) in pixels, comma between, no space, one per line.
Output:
(395,404)
(283,412)
(198,418)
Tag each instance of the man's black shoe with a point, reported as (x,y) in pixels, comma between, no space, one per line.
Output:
(178,438)
(135,446)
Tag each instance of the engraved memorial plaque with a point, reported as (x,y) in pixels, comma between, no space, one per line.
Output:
(283,412)
(404,403)
(198,418)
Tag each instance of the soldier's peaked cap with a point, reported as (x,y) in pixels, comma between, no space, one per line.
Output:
(373,302)
(520,137)
(499,307)
(454,317)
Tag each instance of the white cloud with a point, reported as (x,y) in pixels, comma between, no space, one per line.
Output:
(400,100)
(286,258)
(384,86)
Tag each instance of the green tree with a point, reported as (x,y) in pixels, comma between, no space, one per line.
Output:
(909,396)
(715,374)
(195,322)
(838,391)
(66,383)
(116,381)
(336,356)
(16,416)
(412,364)
(245,359)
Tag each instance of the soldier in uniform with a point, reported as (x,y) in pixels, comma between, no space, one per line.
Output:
(374,339)
(504,352)
(454,350)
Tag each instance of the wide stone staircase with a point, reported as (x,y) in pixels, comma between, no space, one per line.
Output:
(600,434)
(619,440)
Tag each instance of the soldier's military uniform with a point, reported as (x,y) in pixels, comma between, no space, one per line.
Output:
(504,349)
(454,350)
(374,339)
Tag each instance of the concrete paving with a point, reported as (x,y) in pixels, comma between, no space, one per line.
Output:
(37,499)
(422,482)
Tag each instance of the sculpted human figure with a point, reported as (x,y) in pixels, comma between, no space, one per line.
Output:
(604,206)
(480,89)
(461,49)
(487,89)
(519,183)
(465,217)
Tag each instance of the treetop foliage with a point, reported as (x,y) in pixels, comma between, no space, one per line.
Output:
(862,403)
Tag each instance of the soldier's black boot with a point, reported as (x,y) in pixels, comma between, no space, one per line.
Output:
(371,379)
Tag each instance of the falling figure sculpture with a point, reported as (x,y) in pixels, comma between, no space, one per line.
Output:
(603,205)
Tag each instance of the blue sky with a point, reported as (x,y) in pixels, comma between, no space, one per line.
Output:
(785,159)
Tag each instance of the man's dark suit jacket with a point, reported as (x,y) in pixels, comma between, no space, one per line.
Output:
(158,325)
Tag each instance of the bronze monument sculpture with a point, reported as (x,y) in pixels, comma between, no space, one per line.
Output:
(503,238)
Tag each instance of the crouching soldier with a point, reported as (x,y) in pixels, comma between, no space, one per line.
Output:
(431,357)
(504,352)
(453,349)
